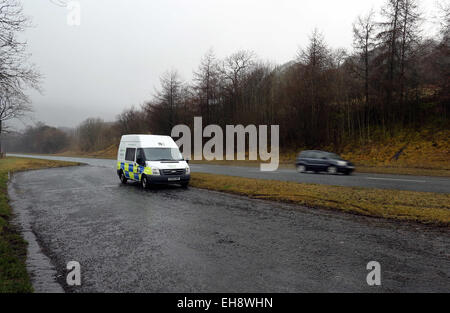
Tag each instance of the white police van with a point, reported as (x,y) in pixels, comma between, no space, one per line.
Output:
(151,159)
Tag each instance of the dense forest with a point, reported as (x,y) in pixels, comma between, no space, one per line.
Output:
(395,77)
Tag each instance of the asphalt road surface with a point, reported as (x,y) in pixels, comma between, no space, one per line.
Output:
(169,239)
(382,181)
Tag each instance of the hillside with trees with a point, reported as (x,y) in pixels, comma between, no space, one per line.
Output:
(394,83)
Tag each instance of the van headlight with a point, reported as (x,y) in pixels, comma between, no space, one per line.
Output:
(188,170)
(341,163)
(155,171)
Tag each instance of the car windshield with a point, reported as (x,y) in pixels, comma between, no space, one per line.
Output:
(333,156)
(162,154)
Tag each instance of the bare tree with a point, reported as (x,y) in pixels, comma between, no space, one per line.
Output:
(15,73)
(364,43)
(206,83)
(234,70)
(131,121)
(93,134)
(444,19)
(317,54)
(315,60)
(389,37)
(168,98)
(12,106)
(410,38)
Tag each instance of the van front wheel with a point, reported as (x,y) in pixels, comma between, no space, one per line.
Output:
(122,177)
(184,185)
(144,182)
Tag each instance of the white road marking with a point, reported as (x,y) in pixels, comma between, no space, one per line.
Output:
(259,171)
(397,179)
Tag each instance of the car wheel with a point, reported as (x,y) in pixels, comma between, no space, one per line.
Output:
(122,177)
(144,182)
(332,170)
(301,168)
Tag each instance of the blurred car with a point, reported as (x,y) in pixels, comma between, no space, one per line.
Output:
(322,161)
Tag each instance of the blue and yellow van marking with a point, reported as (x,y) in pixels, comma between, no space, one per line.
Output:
(133,172)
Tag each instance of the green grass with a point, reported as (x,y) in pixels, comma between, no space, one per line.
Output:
(13,248)
(422,207)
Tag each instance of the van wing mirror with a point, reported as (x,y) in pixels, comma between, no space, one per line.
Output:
(140,161)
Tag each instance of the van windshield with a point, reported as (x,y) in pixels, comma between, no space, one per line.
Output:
(162,154)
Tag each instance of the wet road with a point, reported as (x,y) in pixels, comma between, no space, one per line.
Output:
(382,181)
(176,240)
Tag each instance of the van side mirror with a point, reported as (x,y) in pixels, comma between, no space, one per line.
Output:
(140,161)
(187,161)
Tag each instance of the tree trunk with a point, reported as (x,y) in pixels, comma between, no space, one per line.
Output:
(1,147)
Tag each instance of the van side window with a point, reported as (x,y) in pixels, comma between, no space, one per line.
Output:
(129,155)
(140,154)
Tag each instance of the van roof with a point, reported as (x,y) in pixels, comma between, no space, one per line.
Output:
(150,140)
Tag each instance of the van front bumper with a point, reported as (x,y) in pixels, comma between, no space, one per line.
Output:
(168,179)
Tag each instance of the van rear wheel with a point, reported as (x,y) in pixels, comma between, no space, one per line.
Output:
(122,177)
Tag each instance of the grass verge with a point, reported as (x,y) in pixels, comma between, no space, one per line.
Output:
(13,248)
(422,207)
(404,171)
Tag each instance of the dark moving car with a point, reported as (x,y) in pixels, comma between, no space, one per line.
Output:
(321,161)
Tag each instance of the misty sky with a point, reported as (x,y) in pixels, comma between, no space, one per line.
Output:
(113,60)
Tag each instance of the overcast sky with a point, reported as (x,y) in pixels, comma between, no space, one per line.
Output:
(113,60)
